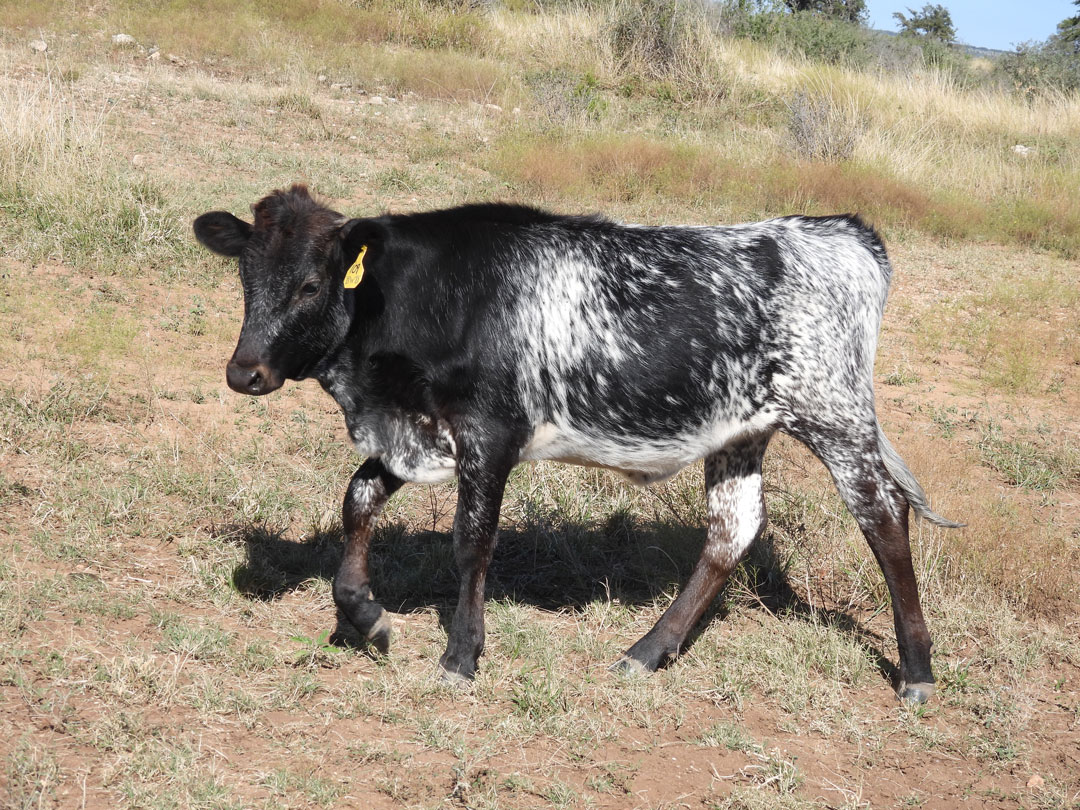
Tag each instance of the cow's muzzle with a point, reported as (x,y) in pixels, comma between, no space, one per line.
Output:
(255,378)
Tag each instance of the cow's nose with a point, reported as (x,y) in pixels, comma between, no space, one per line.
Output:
(254,379)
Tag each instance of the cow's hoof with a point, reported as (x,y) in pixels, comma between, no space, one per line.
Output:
(379,634)
(916,693)
(630,666)
(454,679)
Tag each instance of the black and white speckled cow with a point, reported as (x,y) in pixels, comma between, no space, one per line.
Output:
(487,335)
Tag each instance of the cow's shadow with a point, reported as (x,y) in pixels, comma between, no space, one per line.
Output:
(548,563)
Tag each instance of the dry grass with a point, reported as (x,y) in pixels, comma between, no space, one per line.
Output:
(945,150)
(165,546)
(68,196)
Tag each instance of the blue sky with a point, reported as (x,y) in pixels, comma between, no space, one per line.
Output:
(985,23)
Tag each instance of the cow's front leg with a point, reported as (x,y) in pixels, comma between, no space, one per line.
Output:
(482,473)
(370,488)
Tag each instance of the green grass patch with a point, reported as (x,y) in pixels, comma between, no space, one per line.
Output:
(1042,466)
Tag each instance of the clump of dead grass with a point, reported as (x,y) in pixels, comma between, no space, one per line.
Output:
(668,41)
(821,129)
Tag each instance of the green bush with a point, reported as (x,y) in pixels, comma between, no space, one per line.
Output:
(823,39)
(806,33)
(1034,68)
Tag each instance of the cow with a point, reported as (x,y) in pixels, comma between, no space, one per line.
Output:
(463,342)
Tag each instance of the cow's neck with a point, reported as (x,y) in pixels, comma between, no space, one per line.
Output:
(345,377)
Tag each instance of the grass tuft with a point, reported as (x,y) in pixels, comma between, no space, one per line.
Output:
(1037,466)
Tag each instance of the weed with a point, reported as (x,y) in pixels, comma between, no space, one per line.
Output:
(316,651)
(397,180)
(566,100)
(537,695)
(729,735)
(652,33)
(956,676)
(902,376)
(774,771)
(560,794)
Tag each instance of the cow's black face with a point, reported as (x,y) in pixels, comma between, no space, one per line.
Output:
(291,266)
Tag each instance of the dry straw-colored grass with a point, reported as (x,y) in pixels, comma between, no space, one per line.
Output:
(945,149)
(167,545)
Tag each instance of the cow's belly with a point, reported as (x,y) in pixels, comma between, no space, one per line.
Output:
(642,461)
(412,448)
(640,464)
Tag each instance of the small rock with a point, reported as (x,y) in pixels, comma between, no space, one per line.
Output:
(516,111)
(1036,782)
(494,107)
(375,100)
(391,99)
(352,137)
(39,46)
(322,78)
(154,56)
(1020,149)
(138,161)
(377,112)
(122,39)
(176,60)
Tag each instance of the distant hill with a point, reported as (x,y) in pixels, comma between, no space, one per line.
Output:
(972,50)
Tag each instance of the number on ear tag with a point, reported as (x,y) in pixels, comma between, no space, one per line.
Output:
(356,272)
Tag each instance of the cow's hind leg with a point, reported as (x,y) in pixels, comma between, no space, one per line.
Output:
(370,488)
(736,510)
(854,459)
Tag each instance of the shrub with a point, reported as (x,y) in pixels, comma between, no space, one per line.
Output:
(651,34)
(1034,68)
(822,39)
(821,129)
(566,99)
(804,33)
(668,46)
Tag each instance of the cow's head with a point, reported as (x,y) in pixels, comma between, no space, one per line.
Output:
(293,260)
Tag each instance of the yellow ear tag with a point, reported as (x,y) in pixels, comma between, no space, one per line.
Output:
(356,272)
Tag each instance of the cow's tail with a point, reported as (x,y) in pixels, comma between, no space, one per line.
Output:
(908,485)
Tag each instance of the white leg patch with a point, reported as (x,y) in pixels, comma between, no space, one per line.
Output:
(736,509)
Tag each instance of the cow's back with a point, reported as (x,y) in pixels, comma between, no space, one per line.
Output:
(654,346)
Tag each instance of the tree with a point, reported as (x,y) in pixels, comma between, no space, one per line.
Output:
(1054,64)
(853,11)
(1068,32)
(933,22)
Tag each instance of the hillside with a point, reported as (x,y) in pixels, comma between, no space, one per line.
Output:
(166,545)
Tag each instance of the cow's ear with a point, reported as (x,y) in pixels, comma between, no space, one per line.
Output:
(222,232)
(355,235)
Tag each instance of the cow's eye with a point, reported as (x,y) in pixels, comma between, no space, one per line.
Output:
(310,289)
